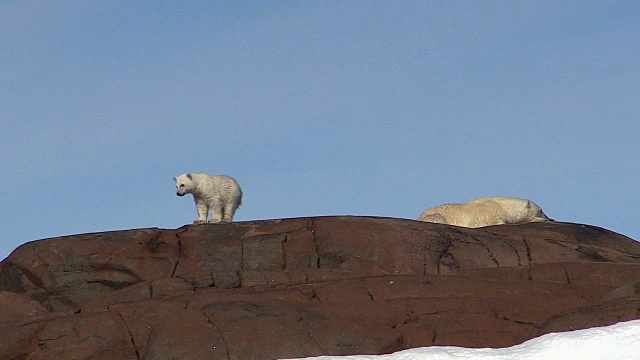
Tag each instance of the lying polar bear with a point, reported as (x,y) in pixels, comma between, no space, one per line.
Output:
(485,212)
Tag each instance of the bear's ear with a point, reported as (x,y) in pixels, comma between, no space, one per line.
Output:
(189,176)
(174,178)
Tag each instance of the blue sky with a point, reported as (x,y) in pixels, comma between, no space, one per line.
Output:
(380,108)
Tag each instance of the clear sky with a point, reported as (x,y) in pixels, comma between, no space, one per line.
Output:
(378,108)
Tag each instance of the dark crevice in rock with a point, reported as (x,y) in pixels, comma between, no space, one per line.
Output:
(175,266)
(120,268)
(566,274)
(154,243)
(441,254)
(445,258)
(112,284)
(528,251)
(58,295)
(284,252)
(133,341)
(241,257)
(221,333)
(491,254)
(371,298)
(425,258)
(32,277)
(515,251)
(559,243)
(592,254)
(522,322)
(35,279)
(239,277)
(39,321)
(306,276)
(311,227)
(305,326)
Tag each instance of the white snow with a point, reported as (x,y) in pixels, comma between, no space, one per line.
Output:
(620,341)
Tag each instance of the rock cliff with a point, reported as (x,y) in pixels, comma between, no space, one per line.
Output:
(309,286)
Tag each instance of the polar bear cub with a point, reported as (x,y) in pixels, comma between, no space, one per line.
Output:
(219,193)
(485,212)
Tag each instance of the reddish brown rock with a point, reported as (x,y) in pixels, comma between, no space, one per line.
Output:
(309,286)
(14,305)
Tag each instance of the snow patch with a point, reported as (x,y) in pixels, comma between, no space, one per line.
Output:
(620,342)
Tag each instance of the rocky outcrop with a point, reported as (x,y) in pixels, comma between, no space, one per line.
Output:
(309,286)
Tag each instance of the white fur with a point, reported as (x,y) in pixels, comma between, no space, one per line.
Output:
(485,212)
(220,193)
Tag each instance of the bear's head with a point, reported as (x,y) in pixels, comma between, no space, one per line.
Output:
(184,184)
(535,213)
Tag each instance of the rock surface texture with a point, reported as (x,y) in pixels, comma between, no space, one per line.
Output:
(309,286)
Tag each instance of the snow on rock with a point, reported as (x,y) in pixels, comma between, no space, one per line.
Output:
(620,341)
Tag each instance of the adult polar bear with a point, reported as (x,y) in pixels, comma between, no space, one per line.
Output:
(220,193)
(485,212)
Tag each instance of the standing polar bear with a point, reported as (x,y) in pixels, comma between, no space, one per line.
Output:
(220,193)
(485,212)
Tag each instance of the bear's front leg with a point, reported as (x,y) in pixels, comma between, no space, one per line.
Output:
(203,210)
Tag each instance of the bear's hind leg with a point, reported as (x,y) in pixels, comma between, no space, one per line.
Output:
(216,213)
(229,211)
